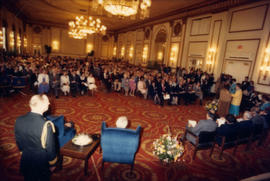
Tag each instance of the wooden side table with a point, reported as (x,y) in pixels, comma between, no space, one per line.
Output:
(80,152)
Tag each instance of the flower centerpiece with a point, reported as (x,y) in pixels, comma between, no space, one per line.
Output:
(212,106)
(168,148)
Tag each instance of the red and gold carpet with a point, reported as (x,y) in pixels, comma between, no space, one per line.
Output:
(88,112)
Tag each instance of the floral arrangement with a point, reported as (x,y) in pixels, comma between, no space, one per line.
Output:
(167,148)
(212,106)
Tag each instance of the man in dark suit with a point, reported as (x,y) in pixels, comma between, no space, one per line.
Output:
(230,128)
(54,78)
(74,82)
(36,141)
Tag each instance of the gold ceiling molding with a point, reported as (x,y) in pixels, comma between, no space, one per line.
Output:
(208,6)
(59,13)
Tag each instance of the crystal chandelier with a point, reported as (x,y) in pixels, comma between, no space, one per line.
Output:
(82,26)
(124,8)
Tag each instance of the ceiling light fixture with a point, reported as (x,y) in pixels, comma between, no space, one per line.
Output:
(82,26)
(124,8)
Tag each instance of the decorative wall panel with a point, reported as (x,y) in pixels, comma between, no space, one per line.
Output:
(238,69)
(197,49)
(242,49)
(72,46)
(200,26)
(249,19)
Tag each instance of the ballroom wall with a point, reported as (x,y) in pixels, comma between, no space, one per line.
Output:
(11,23)
(232,41)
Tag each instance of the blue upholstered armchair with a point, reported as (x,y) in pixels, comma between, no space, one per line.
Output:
(119,144)
(64,134)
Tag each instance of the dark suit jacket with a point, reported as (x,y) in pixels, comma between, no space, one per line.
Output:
(34,159)
(227,130)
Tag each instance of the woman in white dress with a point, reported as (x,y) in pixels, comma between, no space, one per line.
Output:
(64,81)
(91,83)
(142,87)
(43,82)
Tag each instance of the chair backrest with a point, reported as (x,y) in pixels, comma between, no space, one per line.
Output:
(18,82)
(119,144)
(244,129)
(5,81)
(257,129)
(207,137)
(228,132)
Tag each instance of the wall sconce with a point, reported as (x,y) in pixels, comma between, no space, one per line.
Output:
(114,51)
(55,45)
(11,37)
(131,52)
(89,48)
(145,53)
(160,55)
(1,38)
(210,59)
(19,42)
(173,55)
(25,42)
(265,67)
(122,52)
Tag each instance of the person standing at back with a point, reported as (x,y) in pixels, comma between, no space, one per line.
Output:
(36,141)
(236,101)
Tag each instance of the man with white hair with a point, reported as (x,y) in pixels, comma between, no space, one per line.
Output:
(122,122)
(246,116)
(36,141)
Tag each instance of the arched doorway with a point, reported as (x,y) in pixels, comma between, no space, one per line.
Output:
(160,46)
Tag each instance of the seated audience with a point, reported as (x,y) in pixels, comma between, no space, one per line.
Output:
(43,82)
(55,82)
(132,85)
(227,129)
(246,116)
(142,87)
(83,83)
(265,103)
(74,82)
(91,83)
(64,82)
(208,125)
(198,91)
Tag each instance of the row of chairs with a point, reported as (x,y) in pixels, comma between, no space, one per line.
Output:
(245,133)
(7,83)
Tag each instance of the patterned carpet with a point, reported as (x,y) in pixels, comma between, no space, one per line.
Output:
(88,112)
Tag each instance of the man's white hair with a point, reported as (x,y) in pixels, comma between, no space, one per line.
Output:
(247,115)
(122,122)
(39,103)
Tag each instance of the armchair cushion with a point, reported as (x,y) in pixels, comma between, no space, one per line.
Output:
(119,144)
(206,139)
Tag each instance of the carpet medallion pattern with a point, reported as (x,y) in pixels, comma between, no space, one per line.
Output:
(87,112)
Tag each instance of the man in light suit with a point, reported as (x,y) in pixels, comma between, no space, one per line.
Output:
(208,125)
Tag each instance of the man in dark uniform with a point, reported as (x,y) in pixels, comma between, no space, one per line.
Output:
(36,141)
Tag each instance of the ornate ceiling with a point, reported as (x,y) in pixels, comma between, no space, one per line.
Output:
(60,12)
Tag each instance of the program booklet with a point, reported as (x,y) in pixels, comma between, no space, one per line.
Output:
(192,123)
(221,121)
